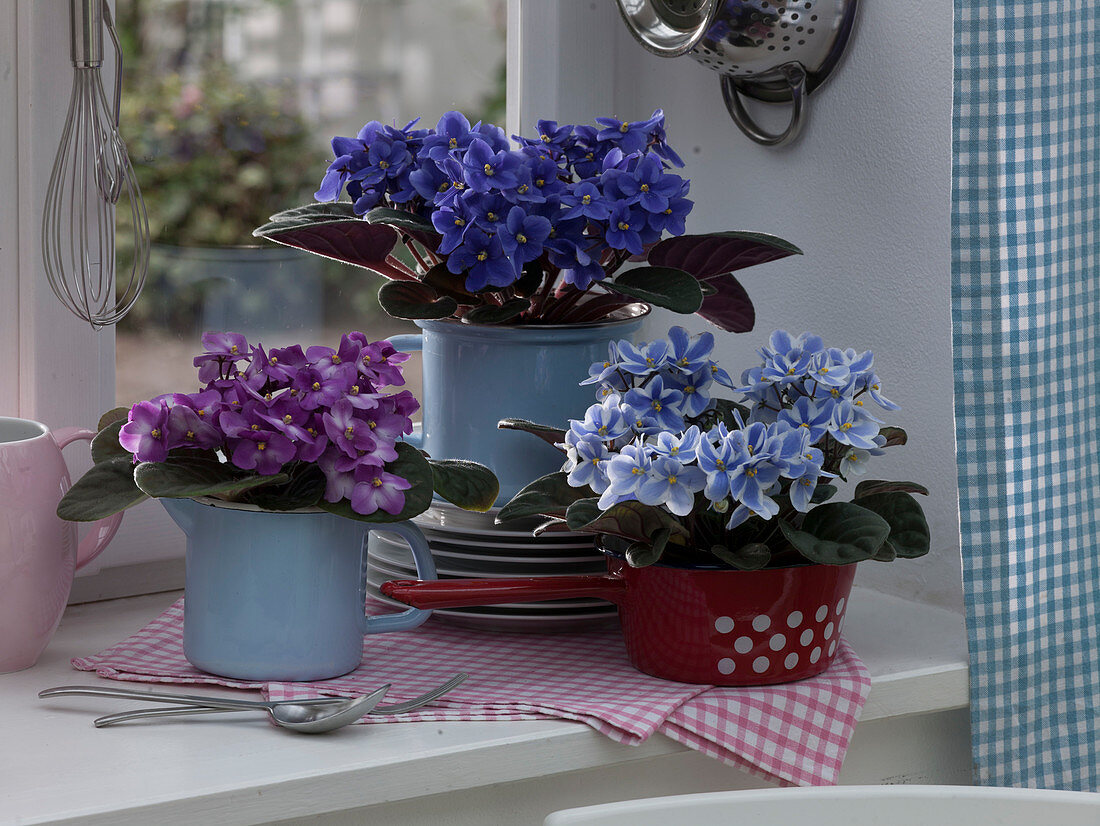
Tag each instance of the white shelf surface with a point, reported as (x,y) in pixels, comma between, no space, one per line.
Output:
(56,768)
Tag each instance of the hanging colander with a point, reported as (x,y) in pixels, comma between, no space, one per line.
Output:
(770,50)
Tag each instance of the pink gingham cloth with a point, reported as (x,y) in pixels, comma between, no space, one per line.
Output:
(793,734)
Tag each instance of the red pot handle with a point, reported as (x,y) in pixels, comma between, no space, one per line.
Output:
(458,593)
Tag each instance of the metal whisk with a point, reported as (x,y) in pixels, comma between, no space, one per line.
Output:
(90,175)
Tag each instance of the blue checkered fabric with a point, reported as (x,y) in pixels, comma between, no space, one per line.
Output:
(1026,332)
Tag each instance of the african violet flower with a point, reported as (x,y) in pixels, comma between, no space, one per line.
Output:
(715,476)
(546,229)
(264,411)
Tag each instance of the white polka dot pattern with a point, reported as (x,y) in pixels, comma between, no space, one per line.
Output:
(819,629)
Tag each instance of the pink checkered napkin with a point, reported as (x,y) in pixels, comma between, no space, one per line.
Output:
(794,734)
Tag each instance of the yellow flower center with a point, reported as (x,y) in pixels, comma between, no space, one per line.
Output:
(453,143)
(750,472)
(521,238)
(644,187)
(595,461)
(720,464)
(656,405)
(316,385)
(545,138)
(522,190)
(383,165)
(190,434)
(624,128)
(460,222)
(255,427)
(261,445)
(637,471)
(586,199)
(354,390)
(623,225)
(273,360)
(540,182)
(482,256)
(846,426)
(602,430)
(488,169)
(372,425)
(490,216)
(234,350)
(349,433)
(377,483)
(287,419)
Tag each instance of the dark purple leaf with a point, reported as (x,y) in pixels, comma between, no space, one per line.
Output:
(706,256)
(729,308)
(321,231)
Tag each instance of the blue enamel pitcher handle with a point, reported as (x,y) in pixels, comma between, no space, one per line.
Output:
(425,569)
(410,343)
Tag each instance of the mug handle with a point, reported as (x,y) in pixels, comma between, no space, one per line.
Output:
(103,531)
(410,343)
(425,569)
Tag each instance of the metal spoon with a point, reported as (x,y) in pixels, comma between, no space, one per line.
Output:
(308,716)
(393,708)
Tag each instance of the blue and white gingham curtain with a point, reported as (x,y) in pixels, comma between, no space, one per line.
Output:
(1026,318)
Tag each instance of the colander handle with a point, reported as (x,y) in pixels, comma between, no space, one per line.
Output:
(795,76)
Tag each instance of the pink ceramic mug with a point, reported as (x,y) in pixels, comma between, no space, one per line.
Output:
(38,550)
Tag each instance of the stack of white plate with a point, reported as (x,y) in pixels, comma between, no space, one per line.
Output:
(471,546)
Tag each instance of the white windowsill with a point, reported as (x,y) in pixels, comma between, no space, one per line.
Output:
(55,767)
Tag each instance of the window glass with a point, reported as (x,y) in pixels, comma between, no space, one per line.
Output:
(228,108)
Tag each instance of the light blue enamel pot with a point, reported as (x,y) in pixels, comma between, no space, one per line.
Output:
(280,596)
(476,375)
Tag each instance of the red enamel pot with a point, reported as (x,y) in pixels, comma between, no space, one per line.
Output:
(715,626)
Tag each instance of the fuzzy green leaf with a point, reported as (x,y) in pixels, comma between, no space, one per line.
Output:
(549,495)
(823,493)
(105,445)
(838,533)
(581,512)
(641,554)
(551,435)
(751,557)
(410,464)
(408,222)
(638,522)
(193,473)
(105,489)
(113,415)
(492,314)
(414,300)
(894,436)
(467,484)
(872,486)
(304,489)
(665,287)
(909,534)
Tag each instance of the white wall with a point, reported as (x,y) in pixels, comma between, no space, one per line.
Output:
(865,192)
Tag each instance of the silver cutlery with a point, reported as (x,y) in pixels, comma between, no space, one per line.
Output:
(308,717)
(311,716)
(183,711)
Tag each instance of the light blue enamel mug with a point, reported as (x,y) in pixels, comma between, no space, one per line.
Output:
(477,374)
(280,596)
